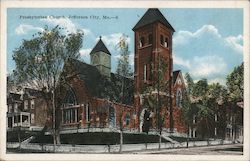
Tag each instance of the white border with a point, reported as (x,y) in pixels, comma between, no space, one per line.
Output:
(120,4)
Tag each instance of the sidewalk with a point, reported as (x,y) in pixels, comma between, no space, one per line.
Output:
(68,148)
(231,149)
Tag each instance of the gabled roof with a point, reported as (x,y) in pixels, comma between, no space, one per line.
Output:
(175,75)
(101,86)
(100,46)
(152,15)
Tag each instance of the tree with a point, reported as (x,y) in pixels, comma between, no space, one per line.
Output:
(123,70)
(156,95)
(40,60)
(235,85)
(189,109)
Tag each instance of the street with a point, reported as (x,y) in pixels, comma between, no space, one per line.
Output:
(232,149)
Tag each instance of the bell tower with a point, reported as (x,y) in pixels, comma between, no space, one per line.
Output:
(153,44)
(100,57)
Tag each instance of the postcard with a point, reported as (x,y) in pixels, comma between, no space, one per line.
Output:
(124,80)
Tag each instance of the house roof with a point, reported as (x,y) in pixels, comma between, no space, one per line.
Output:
(100,46)
(14,96)
(101,86)
(152,15)
(175,75)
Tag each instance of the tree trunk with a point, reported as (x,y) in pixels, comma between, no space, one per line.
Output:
(121,140)
(188,136)
(54,120)
(159,140)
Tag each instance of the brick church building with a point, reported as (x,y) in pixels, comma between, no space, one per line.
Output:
(92,93)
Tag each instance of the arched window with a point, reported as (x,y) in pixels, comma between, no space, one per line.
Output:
(142,41)
(70,98)
(178,98)
(70,114)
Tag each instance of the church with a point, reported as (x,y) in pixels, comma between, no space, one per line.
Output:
(92,95)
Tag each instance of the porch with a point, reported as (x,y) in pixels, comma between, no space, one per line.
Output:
(18,119)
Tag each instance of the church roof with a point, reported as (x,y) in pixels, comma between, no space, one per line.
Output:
(152,15)
(100,46)
(101,86)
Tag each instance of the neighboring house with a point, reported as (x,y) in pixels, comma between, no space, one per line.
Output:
(26,109)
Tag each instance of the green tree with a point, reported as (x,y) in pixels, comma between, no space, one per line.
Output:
(123,70)
(189,109)
(40,60)
(235,84)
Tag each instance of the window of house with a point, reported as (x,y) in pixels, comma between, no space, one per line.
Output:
(32,118)
(10,108)
(15,107)
(142,41)
(150,39)
(162,40)
(32,104)
(145,73)
(26,104)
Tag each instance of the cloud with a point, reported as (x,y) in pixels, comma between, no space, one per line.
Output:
(85,52)
(24,29)
(207,66)
(113,39)
(235,43)
(66,23)
(206,53)
(180,61)
(86,31)
(183,37)
(201,67)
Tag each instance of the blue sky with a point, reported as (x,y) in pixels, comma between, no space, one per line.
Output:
(208,43)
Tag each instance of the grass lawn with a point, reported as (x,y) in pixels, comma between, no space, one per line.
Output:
(12,136)
(99,138)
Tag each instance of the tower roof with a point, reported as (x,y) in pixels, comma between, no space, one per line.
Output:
(100,46)
(153,15)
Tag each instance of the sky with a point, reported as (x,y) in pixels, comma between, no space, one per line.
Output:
(207,43)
